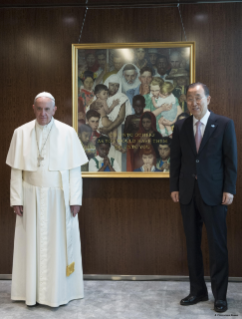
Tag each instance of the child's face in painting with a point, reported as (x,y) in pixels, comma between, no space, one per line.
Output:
(102,95)
(88,83)
(146,123)
(164,151)
(103,150)
(164,94)
(155,90)
(181,80)
(148,159)
(93,122)
(85,137)
(113,88)
(138,107)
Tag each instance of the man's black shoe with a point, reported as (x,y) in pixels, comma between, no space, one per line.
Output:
(220,305)
(192,300)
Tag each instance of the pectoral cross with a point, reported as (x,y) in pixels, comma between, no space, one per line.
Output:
(40,158)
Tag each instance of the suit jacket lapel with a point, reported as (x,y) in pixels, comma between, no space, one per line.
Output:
(190,133)
(210,128)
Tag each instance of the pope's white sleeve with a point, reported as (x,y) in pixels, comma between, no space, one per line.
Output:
(16,187)
(75,186)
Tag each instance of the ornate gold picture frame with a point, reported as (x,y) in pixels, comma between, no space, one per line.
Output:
(126,98)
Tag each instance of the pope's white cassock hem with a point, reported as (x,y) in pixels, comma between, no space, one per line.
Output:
(47,237)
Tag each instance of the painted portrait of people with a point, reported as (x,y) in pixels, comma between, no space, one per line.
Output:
(128,102)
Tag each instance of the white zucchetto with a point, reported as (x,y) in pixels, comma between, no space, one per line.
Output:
(44,94)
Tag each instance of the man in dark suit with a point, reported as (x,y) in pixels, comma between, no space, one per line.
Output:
(203,169)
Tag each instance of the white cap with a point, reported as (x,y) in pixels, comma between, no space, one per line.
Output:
(45,94)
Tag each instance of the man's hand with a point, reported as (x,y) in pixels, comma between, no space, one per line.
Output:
(18,210)
(227,199)
(75,209)
(175,197)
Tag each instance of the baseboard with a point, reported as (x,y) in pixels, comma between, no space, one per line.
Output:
(133,277)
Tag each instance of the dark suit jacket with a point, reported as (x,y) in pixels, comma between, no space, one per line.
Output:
(215,164)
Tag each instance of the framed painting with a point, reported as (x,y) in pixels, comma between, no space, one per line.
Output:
(126,100)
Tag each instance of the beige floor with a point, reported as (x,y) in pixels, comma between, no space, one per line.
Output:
(125,300)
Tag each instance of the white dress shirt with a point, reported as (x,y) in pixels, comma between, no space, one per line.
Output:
(203,121)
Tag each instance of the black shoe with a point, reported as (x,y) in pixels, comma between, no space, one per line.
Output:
(192,300)
(220,305)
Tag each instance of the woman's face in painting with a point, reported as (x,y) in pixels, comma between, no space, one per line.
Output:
(146,123)
(155,90)
(113,88)
(88,83)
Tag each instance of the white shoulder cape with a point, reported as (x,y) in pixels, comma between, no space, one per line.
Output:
(66,151)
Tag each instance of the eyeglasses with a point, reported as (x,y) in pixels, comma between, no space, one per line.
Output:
(197,99)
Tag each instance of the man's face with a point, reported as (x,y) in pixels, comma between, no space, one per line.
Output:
(85,137)
(145,78)
(153,58)
(101,58)
(130,76)
(175,60)
(155,90)
(118,63)
(164,151)
(140,54)
(93,122)
(138,107)
(113,88)
(146,124)
(88,83)
(103,95)
(162,65)
(197,102)
(44,110)
(148,159)
(103,150)
(90,60)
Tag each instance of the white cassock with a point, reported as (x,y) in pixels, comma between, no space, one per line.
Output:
(47,264)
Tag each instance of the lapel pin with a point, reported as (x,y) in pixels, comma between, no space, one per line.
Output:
(212,125)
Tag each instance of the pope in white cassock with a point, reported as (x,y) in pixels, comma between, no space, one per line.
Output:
(46,194)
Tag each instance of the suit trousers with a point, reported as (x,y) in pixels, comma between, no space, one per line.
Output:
(194,215)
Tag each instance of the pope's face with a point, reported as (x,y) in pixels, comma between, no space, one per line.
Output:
(197,101)
(146,78)
(164,151)
(93,122)
(118,63)
(44,110)
(130,76)
(148,159)
(153,58)
(155,90)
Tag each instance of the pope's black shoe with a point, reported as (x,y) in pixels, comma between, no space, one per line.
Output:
(220,305)
(192,300)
